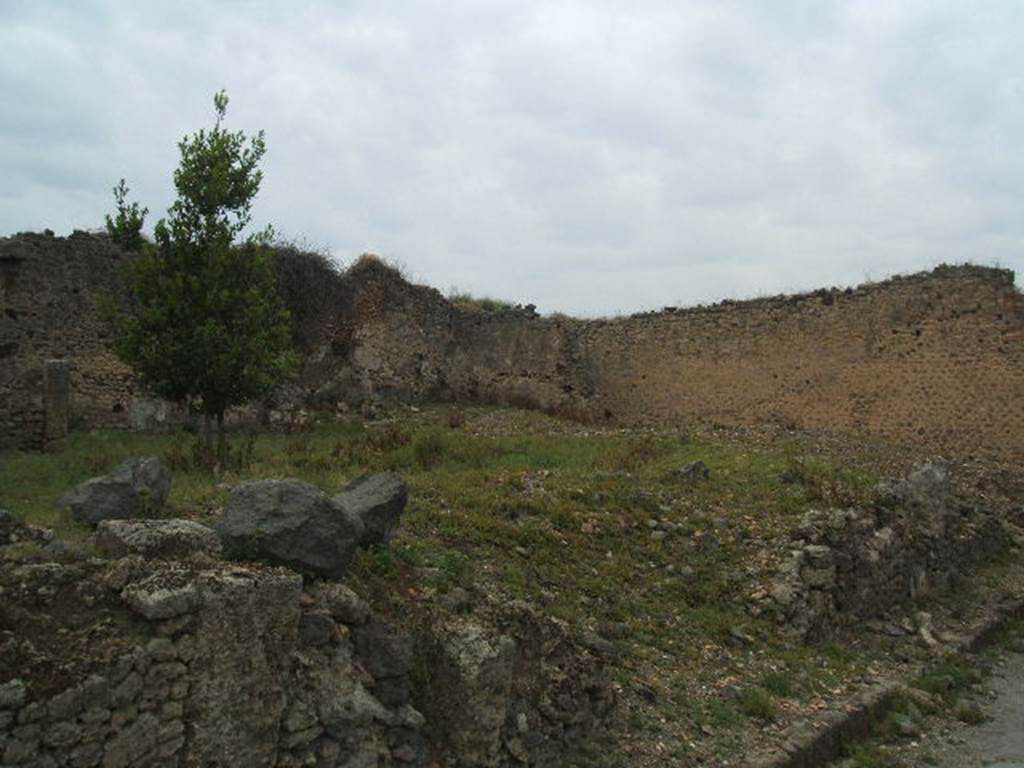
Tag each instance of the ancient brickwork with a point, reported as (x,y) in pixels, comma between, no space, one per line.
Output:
(935,357)
(48,309)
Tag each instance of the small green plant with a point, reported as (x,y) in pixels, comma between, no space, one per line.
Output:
(125,228)
(872,756)
(470,303)
(429,449)
(778,683)
(971,713)
(22,552)
(947,678)
(756,702)
(376,561)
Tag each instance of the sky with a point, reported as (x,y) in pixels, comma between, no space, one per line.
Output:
(593,158)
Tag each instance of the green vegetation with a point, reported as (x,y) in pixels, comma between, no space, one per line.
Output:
(201,322)
(125,228)
(470,303)
(561,516)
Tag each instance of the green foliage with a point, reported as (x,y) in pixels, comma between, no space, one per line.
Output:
(202,322)
(125,228)
(971,713)
(947,678)
(470,303)
(778,683)
(757,703)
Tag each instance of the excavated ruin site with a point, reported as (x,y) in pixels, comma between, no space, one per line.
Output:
(466,535)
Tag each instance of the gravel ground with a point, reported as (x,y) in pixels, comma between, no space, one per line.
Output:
(945,742)
(1000,741)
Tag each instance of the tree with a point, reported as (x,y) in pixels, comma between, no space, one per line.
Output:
(203,324)
(125,228)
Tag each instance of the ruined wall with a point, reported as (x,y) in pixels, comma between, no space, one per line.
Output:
(848,566)
(383,338)
(934,357)
(203,663)
(48,290)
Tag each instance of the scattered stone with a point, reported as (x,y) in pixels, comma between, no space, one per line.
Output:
(905,725)
(378,500)
(458,600)
(695,470)
(599,645)
(741,634)
(156,539)
(291,523)
(135,488)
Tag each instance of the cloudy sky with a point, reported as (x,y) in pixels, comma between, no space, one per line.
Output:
(591,157)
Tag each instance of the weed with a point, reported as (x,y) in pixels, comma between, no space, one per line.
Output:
(778,683)
(971,713)
(948,678)
(377,561)
(429,449)
(756,702)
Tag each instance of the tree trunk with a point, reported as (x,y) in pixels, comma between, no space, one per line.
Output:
(207,434)
(222,440)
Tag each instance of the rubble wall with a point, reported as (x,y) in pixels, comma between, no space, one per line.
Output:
(49,289)
(935,358)
(850,566)
(135,663)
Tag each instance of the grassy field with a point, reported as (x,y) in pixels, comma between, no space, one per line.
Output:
(597,527)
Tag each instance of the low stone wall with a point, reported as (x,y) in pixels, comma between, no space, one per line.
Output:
(200,663)
(847,566)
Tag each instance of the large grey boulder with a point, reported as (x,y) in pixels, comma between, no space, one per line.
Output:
(378,500)
(156,539)
(291,523)
(135,488)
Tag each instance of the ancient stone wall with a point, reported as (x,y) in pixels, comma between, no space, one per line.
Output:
(848,566)
(934,357)
(150,663)
(48,309)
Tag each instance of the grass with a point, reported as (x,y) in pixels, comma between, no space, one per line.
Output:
(470,303)
(561,516)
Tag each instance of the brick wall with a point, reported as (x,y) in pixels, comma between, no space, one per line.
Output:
(48,294)
(935,357)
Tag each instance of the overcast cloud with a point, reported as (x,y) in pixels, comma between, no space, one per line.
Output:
(590,157)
